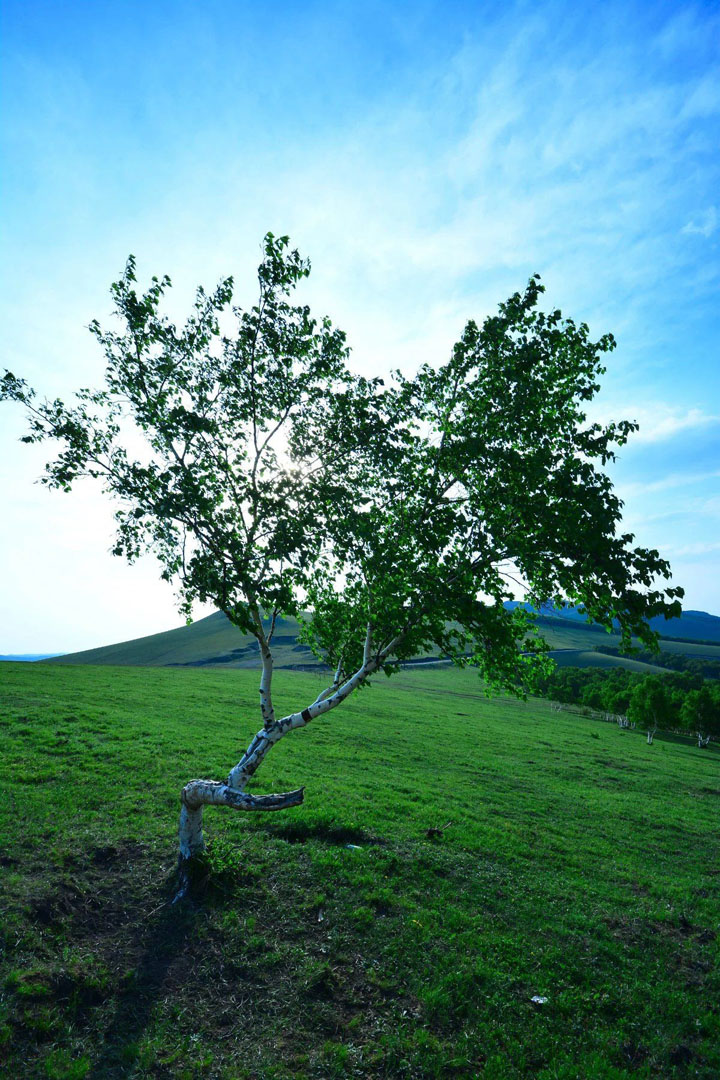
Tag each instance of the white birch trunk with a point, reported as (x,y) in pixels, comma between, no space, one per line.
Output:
(200,793)
(266,705)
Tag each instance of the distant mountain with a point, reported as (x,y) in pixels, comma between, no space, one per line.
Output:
(691,626)
(28,657)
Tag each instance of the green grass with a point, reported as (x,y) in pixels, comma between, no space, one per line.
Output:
(579,865)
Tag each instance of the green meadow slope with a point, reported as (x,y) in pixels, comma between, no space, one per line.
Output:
(214,642)
(589,658)
(474,887)
(209,642)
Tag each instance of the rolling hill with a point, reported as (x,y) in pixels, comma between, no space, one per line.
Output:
(209,642)
(214,642)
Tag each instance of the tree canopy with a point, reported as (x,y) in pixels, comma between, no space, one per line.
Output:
(274,480)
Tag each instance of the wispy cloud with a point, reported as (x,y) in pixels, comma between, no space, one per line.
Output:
(658,421)
(428,163)
(702,547)
(667,483)
(706,226)
(665,422)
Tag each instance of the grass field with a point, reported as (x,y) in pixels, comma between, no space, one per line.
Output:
(580,866)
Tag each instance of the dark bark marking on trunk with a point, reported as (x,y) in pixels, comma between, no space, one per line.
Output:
(306,715)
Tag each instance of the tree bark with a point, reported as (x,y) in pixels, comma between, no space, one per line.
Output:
(200,793)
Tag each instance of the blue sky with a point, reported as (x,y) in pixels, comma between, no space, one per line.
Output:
(428,158)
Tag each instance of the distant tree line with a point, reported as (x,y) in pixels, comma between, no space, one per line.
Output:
(706,666)
(681,701)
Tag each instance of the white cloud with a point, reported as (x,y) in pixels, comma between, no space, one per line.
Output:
(706,226)
(702,547)
(704,100)
(672,480)
(658,421)
(666,423)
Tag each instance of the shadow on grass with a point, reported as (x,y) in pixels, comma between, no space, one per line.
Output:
(160,941)
(321,832)
(709,753)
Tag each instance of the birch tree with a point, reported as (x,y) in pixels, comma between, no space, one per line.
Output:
(651,704)
(391,517)
(700,713)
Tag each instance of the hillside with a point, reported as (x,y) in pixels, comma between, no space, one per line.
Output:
(472,888)
(589,658)
(209,642)
(214,642)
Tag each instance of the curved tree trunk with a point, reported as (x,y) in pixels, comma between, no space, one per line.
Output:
(198,794)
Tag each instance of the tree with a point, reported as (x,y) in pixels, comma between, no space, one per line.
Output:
(701,713)
(390,518)
(651,704)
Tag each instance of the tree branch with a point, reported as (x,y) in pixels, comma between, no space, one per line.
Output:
(334,685)
(199,793)
(266,705)
(368,644)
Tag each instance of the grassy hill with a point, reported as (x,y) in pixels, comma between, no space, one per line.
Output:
(563,924)
(209,642)
(214,642)
(589,658)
